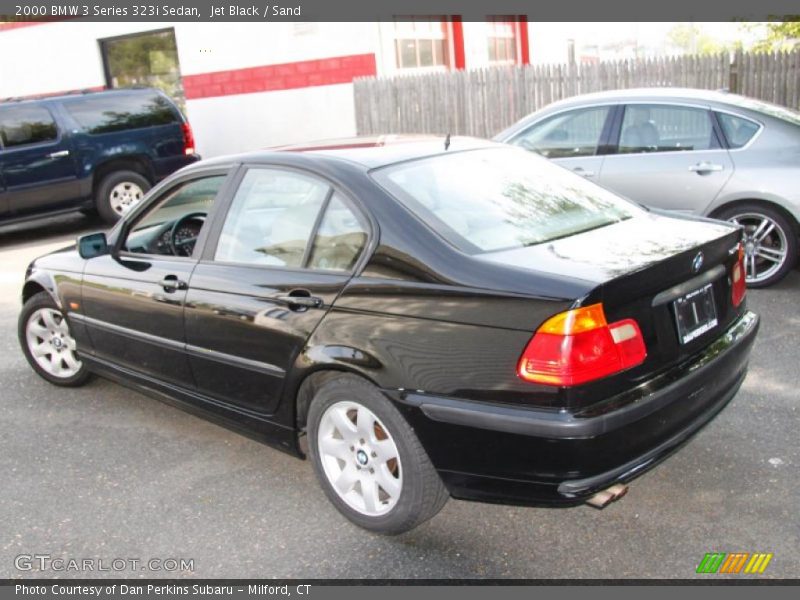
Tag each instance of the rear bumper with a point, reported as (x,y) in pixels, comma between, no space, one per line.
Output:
(501,453)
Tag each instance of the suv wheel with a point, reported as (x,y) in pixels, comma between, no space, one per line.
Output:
(770,242)
(368,460)
(118,193)
(48,343)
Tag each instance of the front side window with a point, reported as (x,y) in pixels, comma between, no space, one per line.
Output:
(171,227)
(498,199)
(106,113)
(421,43)
(26,125)
(664,128)
(566,135)
(737,130)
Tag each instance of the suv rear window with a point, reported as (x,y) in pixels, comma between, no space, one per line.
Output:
(119,112)
(500,198)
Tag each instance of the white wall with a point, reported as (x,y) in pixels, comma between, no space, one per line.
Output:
(231,124)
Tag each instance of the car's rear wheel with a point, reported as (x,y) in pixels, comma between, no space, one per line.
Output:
(368,460)
(118,193)
(48,343)
(770,242)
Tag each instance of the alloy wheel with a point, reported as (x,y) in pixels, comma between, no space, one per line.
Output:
(50,343)
(766,247)
(360,458)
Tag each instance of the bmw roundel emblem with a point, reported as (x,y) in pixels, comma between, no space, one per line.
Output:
(697,262)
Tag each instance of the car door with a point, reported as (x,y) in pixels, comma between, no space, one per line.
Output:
(667,156)
(286,248)
(133,298)
(38,164)
(572,138)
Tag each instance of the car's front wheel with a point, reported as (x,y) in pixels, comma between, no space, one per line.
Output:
(770,242)
(48,343)
(368,460)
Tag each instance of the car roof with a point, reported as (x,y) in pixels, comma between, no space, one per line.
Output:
(369,152)
(668,93)
(76,94)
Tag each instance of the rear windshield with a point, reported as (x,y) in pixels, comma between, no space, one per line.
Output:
(500,198)
(119,112)
(767,108)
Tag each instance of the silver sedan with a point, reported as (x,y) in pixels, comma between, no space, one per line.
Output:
(706,153)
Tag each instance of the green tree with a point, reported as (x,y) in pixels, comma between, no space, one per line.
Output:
(689,38)
(780,36)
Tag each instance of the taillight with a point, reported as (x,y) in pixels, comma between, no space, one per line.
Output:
(578,346)
(738,281)
(188,139)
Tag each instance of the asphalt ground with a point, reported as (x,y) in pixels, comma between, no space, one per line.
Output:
(104,473)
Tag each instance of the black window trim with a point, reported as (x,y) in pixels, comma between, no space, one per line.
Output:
(334,188)
(21,147)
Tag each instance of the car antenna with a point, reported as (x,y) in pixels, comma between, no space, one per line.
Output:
(447,142)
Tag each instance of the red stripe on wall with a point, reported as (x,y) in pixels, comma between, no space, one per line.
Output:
(287,76)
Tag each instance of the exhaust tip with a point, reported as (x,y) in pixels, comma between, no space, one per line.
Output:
(607,496)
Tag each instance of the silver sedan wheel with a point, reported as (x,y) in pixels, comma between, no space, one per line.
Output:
(360,458)
(765,246)
(50,343)
(124,196)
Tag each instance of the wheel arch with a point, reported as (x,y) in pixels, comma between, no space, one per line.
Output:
(138,163)
(35,285)
(726,205)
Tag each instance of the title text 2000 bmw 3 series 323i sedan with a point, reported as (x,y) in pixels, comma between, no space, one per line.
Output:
(427,319)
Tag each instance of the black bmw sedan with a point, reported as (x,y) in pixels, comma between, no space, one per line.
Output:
(425,318)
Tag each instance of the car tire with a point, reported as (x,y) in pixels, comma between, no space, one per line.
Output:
(118,193)
(47,342)
(778,240)
(368,460)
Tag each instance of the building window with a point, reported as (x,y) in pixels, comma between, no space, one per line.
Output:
(144,59)
(422,43)
(506,40)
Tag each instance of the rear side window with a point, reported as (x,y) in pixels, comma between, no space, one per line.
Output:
(573,133)
(271,218)
(502,198)
(25,125)
(340,238)
(665,128)
(738,131)
(107,113)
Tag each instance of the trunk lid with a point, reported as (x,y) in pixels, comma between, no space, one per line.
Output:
(639,269)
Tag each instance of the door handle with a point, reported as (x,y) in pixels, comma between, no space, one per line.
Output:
(59,154)
(706,167)
(171,283)
(583,172)
(300,300)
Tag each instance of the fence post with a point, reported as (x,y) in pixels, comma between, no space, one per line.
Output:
(733,72)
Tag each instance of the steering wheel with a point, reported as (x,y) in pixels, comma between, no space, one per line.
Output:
(184,246)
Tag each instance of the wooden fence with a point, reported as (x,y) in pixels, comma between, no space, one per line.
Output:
(482,102)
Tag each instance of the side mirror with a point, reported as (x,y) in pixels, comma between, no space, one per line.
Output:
(94,244)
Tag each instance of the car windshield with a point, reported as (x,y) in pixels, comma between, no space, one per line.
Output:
(500,198)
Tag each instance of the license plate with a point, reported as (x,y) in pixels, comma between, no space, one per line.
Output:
(695,313)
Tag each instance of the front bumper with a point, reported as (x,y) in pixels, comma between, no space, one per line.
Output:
(501,453)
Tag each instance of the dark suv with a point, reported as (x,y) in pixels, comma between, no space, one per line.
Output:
(96,151)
